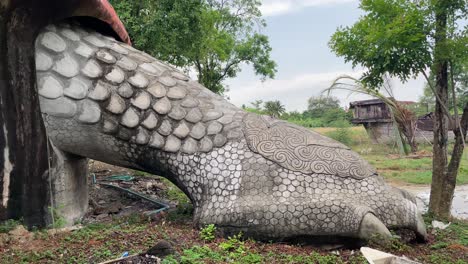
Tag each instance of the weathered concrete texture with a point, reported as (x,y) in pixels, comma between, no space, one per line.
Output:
(68,175)
(243,172)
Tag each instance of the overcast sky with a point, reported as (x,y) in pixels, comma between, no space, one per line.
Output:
(299,31)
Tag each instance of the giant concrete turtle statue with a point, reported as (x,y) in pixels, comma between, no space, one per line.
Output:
(269,179)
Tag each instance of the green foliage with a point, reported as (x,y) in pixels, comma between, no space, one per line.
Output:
(214,37)
(233,244)
(341,134)
(397,37)
(58,220)
(326,110)
(415,171)
(392,37)
(257,104)
(460,72)
(208,233)
(318,105)
(308,122)
(167,29)
(274,108)
(439,245)
(8,225)
(196,254)
(319,114)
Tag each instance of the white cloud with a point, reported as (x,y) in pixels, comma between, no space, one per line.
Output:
(294,92)
(280,7)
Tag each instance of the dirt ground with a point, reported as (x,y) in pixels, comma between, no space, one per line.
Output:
(118,221)
(107,203)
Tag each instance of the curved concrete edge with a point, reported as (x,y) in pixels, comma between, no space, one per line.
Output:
(371,226)
(421,233)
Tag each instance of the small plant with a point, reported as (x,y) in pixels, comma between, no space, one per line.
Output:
(342,133)
(233,243)
(8,225)
(58,221)
(440,245)
(208,233)
(197,254)
(325,259)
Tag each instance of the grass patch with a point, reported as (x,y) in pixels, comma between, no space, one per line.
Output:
(407,170)
(100,242)
(8,225)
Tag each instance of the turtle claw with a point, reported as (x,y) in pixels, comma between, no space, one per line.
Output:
(372,226)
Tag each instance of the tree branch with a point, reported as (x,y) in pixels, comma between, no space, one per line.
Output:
(228,67)
(444,107)
(455,106)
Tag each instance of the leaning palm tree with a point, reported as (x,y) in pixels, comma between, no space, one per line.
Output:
(274,108)
(404,119)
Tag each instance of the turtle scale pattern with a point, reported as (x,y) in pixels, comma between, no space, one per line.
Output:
(105,100)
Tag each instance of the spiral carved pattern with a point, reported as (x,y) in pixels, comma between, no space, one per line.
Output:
(301,150)
(244,173)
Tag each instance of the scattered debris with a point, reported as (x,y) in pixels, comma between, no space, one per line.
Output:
(162,249)
(122,260)
(109,203)
(4,239)
(439,225)
(69,229)
(374,256)
(20,234)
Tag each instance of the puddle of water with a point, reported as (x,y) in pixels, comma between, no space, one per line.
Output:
(459,203)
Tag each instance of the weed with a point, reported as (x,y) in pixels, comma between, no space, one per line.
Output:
(196,254)
(233,244)
(324,259)
(169,260)
(440,245)
(103,253)
(251,258)
(342,135)
(58,221)
(438,258)
(8,225)
(208,233)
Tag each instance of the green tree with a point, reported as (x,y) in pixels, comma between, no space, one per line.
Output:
(274,108)
(328,110)
(403,38)
(257,104)
(166,29)
(214,37)
(460,75)
(318,105)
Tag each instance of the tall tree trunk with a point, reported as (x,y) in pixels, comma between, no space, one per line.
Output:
(440,187)
(457,155)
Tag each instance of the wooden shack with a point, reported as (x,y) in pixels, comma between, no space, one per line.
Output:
(375,116)
(370,111)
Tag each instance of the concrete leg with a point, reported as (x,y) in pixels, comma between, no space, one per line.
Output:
(69,182)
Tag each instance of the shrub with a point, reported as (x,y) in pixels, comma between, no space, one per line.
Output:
(342,134)
(8,225)
(208,233)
